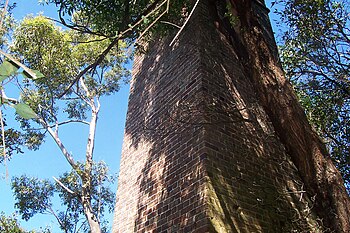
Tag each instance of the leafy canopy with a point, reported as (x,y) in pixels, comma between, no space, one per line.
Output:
(118,18)
(316,57)
(60,55)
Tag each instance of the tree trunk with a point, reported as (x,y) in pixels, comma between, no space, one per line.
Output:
(323,181)
(92,218)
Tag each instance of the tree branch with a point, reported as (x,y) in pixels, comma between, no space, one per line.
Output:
(63,186)
(67,122)
(183,26)
(156,20)
(3,142)
(55,215)
(59,143)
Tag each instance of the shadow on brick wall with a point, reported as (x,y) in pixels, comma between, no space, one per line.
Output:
(211,161)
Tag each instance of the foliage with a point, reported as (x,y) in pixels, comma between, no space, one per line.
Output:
(35,196)
(126,20)
(11,139)
(14,141)
(77,67)
(316,57)
(7,23)
(60,55)
(9,224)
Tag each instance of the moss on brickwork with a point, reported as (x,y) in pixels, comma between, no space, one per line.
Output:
(230,212)
(216,211)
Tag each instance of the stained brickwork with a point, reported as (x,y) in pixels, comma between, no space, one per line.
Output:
(199,153)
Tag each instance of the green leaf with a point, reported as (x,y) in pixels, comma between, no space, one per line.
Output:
(145,19)
(25,111)
(38,74)
(6,70)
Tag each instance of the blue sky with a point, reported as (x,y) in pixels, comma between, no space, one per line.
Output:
(48,161)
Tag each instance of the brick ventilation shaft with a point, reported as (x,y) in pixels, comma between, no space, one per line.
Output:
(200,154)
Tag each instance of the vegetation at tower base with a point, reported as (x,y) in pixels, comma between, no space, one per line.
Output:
(316,57)
(59,55)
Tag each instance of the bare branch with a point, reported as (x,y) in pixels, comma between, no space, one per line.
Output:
(63,186)
(183,26)
(3,141)
(82,83)
(67,122)
(56,216)
(156,20)
(172,24)
(61,123)
(59,143)
(91,66)
(4,97)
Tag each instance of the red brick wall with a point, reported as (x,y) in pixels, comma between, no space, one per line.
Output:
(199,152)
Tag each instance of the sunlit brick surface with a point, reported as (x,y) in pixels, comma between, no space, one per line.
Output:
(199,153)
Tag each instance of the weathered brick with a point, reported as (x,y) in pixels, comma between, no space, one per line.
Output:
(200,154)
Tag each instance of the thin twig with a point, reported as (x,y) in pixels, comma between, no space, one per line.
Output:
(3,142)
(156,20)
(183,26)
(170,23)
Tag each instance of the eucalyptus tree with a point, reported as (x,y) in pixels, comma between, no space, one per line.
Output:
(60,55)
(316,57)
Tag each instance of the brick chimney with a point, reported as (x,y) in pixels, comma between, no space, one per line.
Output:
(200,153)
